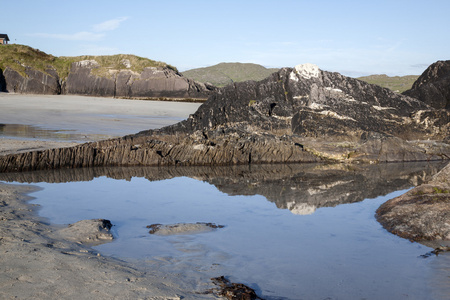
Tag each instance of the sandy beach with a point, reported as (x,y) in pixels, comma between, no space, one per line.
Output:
(37,261)
(68,120)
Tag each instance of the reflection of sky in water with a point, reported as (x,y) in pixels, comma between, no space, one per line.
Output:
(339,252)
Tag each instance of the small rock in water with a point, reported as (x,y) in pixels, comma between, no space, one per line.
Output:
(95,231)
(182,228)
(233,291)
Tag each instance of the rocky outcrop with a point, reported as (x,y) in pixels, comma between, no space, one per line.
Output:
(432,87)
(30,71)
(296,115)
(32,82)
(152,82)
(423,213)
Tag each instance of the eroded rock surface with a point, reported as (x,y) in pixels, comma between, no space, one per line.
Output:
(423,213)
(34,82)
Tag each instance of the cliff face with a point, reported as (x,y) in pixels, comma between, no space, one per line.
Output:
(433,86)
(300,114)
(30,71)
(34,81)
(152,82)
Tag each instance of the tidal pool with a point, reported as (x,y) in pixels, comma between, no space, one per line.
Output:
(291,231)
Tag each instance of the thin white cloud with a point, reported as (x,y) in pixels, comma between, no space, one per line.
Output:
(79,36)
(97,33)
(109,25)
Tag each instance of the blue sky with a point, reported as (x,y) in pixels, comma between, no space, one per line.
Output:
(395,37)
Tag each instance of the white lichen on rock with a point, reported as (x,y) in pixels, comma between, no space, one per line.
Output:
(89,63)
(307,71)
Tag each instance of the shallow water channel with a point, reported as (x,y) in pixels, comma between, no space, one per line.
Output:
(291,231)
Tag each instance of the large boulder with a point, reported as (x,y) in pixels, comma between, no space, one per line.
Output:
(433,86)
(423,213)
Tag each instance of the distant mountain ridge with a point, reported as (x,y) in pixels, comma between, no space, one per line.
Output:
(223,74)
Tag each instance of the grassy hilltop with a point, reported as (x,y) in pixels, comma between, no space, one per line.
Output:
(396,83)
(18,57)
(225,73)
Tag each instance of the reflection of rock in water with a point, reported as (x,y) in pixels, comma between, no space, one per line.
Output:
(299,187)
(301,208)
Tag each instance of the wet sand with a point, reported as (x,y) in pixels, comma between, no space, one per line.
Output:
(36,260)
(85,119)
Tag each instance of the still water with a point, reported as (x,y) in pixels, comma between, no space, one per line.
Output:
(291,231)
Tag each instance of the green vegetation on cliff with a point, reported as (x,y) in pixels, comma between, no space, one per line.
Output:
(18,57)
(225,73)
(397,83)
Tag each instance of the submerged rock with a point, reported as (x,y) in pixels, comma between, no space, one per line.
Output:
(95,231)
(423,213)
(182,228)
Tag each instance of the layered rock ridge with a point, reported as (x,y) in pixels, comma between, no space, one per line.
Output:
(300,114)
(152,82)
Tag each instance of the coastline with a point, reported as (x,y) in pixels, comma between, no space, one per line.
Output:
(37,261)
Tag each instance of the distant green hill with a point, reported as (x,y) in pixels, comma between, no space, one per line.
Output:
(225,73)
(396,83)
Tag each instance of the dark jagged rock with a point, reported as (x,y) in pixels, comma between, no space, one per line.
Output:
(233,291)
(296,115)
(433,86)
(423,213)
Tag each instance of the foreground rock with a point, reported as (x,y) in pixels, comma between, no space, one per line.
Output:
(423,213)
(295,115)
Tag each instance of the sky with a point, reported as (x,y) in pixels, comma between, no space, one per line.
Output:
(355,38)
